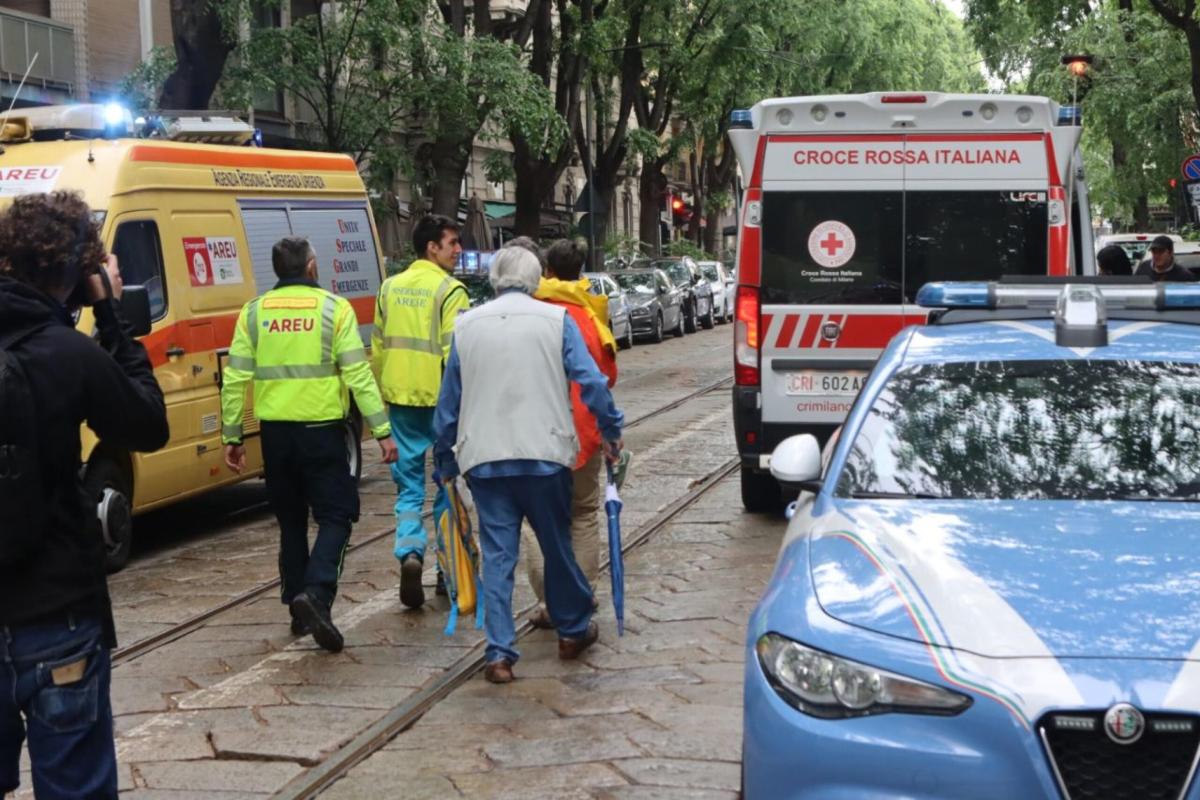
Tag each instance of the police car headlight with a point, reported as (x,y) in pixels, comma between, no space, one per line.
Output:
(830,687)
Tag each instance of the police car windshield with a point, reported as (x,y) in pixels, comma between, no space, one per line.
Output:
(879,247)
(1032,430)
(640,282)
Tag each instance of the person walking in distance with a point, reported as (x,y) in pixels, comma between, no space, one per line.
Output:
(56,625)
(504,420)
(300,346)
(564,286)
(414,322)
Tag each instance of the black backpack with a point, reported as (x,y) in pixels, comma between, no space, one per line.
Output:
(23,495)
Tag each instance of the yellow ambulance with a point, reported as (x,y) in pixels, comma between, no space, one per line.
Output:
(191,212)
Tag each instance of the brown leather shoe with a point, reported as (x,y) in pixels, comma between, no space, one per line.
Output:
(498,671)
(541,619)
(569,649)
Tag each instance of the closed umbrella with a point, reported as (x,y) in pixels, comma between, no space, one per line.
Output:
(477,235)
(616,564)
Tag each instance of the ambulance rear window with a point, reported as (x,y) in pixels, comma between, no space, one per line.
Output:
(849,247)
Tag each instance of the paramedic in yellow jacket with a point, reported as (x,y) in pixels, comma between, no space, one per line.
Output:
(301,346)
(414,323)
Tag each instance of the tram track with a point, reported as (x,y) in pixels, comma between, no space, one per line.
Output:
(404,715)
(155,641)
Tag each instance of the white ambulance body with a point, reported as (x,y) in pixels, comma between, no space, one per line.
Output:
(851,204)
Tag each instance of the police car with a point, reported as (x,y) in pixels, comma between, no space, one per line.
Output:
(852,203)
(990,589)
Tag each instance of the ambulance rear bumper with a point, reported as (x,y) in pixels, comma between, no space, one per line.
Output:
(757,439)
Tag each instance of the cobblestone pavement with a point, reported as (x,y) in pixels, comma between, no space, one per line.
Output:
(655,714)
(239,707)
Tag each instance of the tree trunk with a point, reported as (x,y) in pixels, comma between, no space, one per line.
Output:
(201,48)
(652,189)
(450,159)
(712,233)
(535,183)
(1141,214)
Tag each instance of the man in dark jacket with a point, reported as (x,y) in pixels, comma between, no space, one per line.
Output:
(56,626)
(1161,266)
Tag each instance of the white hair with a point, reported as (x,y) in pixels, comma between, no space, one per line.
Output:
(515,268)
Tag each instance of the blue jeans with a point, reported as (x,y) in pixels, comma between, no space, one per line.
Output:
(412,428)
(54,681)
(544,500)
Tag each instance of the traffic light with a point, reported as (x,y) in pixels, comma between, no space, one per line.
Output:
(681,211)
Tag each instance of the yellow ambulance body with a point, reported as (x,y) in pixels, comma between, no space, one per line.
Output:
(195,223)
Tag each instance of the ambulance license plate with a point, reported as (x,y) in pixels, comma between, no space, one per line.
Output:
(820,382)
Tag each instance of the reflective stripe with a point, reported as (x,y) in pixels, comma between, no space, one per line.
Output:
(231,431)
(351,357)
(328,311)
(377,420)
(242,362)
(409,343)
(252,323)
(435,328)
(295,371)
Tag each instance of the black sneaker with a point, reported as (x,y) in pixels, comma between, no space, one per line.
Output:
(440,589)
(412,594)
(315,616)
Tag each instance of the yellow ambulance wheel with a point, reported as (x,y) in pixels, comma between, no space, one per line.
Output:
(107,486)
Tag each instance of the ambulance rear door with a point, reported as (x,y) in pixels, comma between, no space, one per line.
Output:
(854,225)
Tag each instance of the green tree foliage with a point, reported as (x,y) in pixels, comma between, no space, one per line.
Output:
(140,88)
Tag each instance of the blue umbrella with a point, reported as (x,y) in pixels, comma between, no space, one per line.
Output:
(612,509)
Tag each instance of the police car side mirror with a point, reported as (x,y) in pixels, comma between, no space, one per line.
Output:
(135,309)
(796,463)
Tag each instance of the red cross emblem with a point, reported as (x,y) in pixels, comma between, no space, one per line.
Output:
(832,244)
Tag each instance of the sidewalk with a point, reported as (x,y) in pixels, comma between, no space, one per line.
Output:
(655,714)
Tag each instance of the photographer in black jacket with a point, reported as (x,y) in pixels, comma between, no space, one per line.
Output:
(56,626)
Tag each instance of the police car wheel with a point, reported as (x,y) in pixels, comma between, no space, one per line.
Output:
(106,485)
(760,492)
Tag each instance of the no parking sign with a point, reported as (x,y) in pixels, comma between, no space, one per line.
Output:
(1191,168)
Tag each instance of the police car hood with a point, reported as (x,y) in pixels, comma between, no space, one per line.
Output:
(1055,579)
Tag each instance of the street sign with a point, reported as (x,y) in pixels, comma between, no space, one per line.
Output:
(1191,168)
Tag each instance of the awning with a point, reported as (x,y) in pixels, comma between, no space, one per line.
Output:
(497,210)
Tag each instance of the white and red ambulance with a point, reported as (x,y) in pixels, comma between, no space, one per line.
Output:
(851,204)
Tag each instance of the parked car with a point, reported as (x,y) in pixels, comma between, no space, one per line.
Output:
(720,279)
(655,302)
(1135,245)
(626,262)
(698,295)
(619,320)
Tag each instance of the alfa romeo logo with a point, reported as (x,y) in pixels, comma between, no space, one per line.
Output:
(1124,724)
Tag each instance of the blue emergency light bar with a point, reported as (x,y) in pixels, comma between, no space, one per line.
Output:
(1046,294)
(1070,115)
(740,118)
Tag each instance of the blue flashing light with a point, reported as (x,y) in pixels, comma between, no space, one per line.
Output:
(114,114)
(955,294)
(257,139)
(740,118)
(1181,295)
(1070,115)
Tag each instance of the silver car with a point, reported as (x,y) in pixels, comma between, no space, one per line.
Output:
(619,320)
(723,288)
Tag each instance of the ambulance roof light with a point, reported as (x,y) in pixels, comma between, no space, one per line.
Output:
(1070,115)
(740,118)
(219,127)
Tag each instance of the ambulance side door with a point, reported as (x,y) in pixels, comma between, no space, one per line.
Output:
(137,244)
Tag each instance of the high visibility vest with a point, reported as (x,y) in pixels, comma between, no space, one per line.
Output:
(414,325)
(301,347)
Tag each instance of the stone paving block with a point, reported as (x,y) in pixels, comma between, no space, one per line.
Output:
(681,773)
(630,678)
(662,793)
(297,733)
(726,695)
(401,784)
(175,794)
(483,709)
(437,657)
(179,736)
(135,695)
(420,735)
(350,674)
(563,748)
(559,782)
(719,671)
(250,695)
(432,757)
(380,697)
(218,776)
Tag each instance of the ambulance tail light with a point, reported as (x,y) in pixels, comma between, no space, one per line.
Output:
(1058,240)
(746,337)
(903,98)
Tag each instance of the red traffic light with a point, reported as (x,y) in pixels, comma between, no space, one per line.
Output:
(677,204)
(1172,183)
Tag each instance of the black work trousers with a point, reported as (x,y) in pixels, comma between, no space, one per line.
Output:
(307,466)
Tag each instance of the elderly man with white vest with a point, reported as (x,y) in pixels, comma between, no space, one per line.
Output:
(504,420)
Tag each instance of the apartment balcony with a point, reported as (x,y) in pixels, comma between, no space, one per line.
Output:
(24,36)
